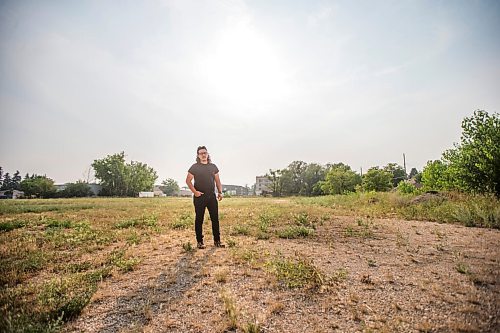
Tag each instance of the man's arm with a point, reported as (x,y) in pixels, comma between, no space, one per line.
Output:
(217,183)
(219,186)
(189,183)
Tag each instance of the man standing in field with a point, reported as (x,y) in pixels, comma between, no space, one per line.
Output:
(206,178)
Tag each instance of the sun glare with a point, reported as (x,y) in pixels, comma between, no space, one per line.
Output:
(243,67)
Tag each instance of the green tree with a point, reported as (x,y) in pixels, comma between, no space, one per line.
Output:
(39,186)
(313,174)
(295,174)
(120,179)
(377,179)
(397,171)
(436,176)
(76,190)
(16,181)
(141,177)
(112,173)
(170,187)
(340,179)
(476,160)
(413,173)
(7,182)
(275,177)
(287,185)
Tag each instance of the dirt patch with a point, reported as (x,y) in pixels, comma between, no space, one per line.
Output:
(427,197)
(385,275)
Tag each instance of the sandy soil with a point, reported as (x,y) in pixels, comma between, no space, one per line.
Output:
(402,276)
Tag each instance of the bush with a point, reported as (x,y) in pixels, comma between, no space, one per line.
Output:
(295,232)
(79,189)
(406,187)
(296,273)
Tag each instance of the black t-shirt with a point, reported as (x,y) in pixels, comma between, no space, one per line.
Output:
(204,177)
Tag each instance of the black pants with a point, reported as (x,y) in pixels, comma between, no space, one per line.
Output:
(209,201)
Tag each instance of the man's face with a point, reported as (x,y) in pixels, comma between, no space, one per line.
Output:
(203,155)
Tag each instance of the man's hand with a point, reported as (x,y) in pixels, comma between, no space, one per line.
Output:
(219,196)
(198,194)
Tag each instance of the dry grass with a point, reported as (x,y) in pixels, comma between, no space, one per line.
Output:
(290,264)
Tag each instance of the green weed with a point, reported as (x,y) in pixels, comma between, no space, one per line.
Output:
(296,273)
(340,275)
(462,268)
(11,225)
(292,232)
(184,221)
(363,230)
(240,229)
(187,247)
(133,238)
(127,265)
(141,222)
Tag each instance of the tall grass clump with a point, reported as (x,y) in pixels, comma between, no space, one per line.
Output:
(11,225)
(140,222)
(294,231)
(296,273)
(230,309)
(452,207)
(183,221)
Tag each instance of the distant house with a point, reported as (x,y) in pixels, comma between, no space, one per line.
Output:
(235,190)
(184,192)
(60,187)
(262,185)
(95,188)
(414,182)
(158,192)
(146,194)
(11,194)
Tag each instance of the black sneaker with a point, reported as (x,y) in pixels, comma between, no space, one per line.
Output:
(219,244)
(200,245)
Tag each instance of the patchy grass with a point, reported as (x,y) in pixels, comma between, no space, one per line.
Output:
(296,273)
(252,327)
(140,222)
(240,230)
(462,268)
(187,247)
(43,280)
(469,210)
(231,243)
(292,232)
(230,310)
(183,221)
(55,252)
(41,205)
(11,225)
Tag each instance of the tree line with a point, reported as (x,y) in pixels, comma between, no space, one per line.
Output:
(472,166)
(116,177)
(301,178)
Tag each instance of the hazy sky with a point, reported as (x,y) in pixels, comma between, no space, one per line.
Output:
(260,83)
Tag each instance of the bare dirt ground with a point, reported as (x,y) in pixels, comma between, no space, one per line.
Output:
(399,276)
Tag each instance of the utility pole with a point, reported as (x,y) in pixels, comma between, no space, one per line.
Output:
(404,165)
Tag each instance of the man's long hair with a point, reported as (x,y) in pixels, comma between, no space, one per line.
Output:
(197,158)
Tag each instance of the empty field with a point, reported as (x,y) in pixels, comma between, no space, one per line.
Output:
(290,265)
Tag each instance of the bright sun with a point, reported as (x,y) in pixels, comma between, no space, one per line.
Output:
(244,68)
